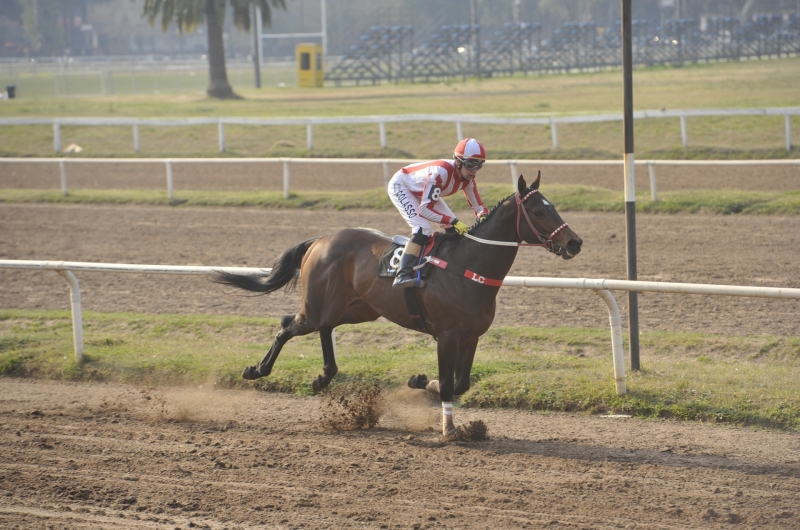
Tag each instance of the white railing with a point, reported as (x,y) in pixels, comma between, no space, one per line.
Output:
(385,163)
(601,287)
(381,121)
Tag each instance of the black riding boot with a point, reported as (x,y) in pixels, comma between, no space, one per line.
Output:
(406,275)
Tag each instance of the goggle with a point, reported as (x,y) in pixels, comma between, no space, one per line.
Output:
(471,163)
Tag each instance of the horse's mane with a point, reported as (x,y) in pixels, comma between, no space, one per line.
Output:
(449,236)
(491,211)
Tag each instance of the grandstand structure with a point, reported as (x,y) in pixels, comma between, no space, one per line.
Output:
(391,54)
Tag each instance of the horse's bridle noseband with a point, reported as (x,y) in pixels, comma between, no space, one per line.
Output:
(543,241)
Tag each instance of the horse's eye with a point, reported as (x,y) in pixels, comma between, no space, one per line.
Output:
(538,212)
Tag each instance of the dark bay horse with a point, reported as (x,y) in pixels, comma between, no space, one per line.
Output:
(340,285)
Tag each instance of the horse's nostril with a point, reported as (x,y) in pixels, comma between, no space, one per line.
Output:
(574,244)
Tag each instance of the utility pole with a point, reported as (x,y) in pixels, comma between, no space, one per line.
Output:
(630,181)
(255,26)
(476,41)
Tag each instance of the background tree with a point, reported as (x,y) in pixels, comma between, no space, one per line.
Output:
(188,14)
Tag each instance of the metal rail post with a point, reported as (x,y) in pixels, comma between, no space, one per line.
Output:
(77,315)
(63,172)
(653,191)
(684,136)
(513,165)
(386,176)
(170,193)
(788,127)
(57,137)
(617,351)
(286,178)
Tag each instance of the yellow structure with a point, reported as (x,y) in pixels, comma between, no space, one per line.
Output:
(309,65)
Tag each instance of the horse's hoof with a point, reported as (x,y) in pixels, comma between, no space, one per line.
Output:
(449,435)
(418,381)
(316,385)
(250,373)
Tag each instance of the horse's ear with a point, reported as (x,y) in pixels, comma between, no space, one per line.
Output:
(521,185)
(535,185)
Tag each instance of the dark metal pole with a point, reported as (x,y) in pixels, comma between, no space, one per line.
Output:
(630,181)
(476,40)
(255,15)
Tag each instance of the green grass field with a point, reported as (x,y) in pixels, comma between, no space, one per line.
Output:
(690,376)
(717,85)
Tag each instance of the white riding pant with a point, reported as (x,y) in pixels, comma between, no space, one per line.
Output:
(408,205)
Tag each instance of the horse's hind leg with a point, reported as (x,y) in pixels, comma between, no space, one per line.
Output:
(329,358)
(289,328)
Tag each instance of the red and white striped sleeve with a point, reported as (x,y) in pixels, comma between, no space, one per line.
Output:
(474,199)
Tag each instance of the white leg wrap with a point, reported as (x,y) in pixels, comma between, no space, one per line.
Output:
(448,426)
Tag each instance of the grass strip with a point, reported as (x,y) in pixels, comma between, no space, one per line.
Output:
(690,376)
(567,197)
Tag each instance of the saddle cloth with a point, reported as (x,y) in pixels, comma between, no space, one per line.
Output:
(389,263)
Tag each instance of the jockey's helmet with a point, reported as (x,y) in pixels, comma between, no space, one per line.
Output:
(470,149)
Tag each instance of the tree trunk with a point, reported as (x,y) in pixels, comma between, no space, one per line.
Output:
(218,86)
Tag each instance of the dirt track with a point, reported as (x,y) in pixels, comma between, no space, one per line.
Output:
(92,456)
(78,456)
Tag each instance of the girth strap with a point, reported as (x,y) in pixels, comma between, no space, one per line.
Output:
(451,267)
(414,310)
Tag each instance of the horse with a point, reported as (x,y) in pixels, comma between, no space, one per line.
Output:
(340,285)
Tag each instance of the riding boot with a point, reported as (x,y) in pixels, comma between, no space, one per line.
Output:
(406,275)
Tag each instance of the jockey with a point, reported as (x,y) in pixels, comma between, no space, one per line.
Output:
(417,192)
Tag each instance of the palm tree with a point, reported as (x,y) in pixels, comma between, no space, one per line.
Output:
(188,14)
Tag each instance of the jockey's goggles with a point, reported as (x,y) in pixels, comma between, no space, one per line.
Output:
(471,163)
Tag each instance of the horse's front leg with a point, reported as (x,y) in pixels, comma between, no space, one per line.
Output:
(447,353)
(466,356)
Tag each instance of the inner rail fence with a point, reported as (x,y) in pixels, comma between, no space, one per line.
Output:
(385,163)
(601,287)
(381,121)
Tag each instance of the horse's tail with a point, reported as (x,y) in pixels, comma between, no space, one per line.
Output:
(285,270)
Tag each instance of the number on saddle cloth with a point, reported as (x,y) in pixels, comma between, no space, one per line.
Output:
(389,263)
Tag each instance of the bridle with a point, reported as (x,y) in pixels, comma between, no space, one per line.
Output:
(546,242)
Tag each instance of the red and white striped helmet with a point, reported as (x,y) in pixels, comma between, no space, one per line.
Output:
(470,148)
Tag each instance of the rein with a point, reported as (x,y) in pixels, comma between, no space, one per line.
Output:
(521,211)
(546,242)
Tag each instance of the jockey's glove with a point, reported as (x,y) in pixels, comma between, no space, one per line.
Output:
(460,227)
